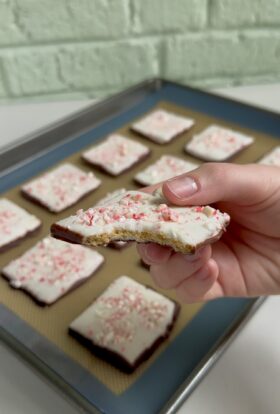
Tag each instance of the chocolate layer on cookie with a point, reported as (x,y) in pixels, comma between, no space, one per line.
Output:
(144,218)
(162,126)
(166,167)
(60,188)
(15,224)
(116,154)
(217,144)
(52,268)
(126,323)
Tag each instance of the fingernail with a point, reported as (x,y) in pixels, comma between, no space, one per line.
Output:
(192,257)
(182,187)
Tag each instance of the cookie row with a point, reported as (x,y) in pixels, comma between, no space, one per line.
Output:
(124,325)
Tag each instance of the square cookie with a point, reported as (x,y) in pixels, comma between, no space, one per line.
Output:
(217,144)
(126,323)
(52,268)
(272,158)
(161,126)
(116,154)
(15,224)
(60,188)
(166,167)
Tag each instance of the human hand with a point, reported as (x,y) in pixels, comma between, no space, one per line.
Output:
(246,260)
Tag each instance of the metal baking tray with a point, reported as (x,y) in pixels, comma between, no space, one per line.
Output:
(168,381)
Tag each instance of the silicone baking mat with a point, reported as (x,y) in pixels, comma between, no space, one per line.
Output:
(201,332)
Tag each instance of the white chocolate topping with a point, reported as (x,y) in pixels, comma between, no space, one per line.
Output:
(116,154)
(166,167)
(137,212)
(217,144)
(272,158)
(15,222)
(62,187)
(51,268)
(127,318)
(107,199)
(162,126)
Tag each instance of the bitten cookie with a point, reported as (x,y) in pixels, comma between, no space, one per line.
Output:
(126,323)
(116,154)
(60,188)
(217,144)
(272,158)
(144,218)
(15,224)
(166,167)
(52,268)
(162,126)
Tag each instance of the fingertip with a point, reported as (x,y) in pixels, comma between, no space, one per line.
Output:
(153,253)
(213,269)
(194,288)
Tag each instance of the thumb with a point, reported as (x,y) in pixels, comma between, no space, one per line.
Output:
(213,182)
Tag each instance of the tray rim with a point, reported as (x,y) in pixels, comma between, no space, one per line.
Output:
(141,90)
(177,399)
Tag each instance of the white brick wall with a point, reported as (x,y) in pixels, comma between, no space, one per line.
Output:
(82,48)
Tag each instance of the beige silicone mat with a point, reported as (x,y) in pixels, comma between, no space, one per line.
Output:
(52,322)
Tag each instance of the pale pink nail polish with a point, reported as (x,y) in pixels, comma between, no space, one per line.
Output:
(182,187)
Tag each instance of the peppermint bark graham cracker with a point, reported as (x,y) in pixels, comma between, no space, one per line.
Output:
(52,268)
(272,158)
(163,169)
(15,224)
(217,144)
(162,126)
(60,188)
(116,154)
(126,323)
(144,218)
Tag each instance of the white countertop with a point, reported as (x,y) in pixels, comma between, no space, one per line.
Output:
(245,380)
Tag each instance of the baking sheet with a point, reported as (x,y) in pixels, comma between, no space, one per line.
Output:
(47,328)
